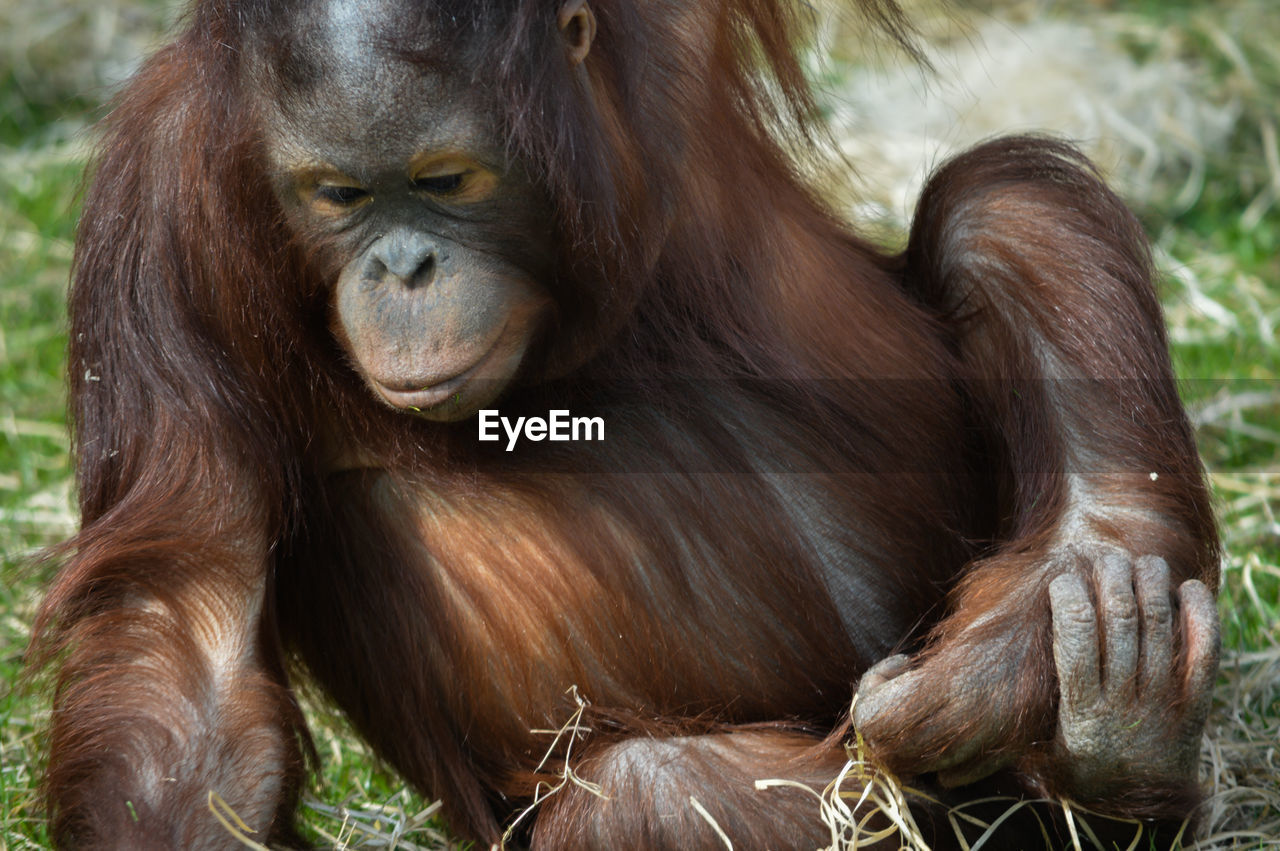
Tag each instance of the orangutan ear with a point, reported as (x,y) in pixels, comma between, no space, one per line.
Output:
(578,26)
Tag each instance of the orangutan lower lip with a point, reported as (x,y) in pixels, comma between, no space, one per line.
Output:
(427,397)
(431,394)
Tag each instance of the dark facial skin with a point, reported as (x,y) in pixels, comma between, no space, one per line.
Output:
(395,175)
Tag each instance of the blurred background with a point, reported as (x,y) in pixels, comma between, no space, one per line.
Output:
(1178,101)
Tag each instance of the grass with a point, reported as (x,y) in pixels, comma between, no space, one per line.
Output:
(35,221)
(1221,251)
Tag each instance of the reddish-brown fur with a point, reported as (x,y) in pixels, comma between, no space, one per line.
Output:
(245,501)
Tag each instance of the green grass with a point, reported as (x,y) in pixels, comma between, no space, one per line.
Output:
(35,248)
(1227,353)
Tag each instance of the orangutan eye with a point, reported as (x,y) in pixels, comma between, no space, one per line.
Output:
(441,184)
(341,196)
(455,179)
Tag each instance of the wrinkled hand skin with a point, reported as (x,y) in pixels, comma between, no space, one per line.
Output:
(1135,660)
(1135,682)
